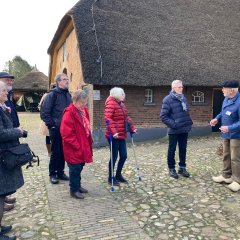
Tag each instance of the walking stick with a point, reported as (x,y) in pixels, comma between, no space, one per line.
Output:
(136,162)
(111,155)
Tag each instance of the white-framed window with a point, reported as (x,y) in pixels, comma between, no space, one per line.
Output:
(64,52)
(148,96)
(198,97)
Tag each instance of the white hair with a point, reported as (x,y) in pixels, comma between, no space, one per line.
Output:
(117,93)
(175,82)
(235,90)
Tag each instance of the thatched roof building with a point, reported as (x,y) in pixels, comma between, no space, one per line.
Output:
(32,81)
(151,43)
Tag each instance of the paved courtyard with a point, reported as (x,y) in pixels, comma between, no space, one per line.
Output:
(158,207)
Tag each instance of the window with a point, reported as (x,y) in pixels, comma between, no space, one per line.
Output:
(198,97)
(148,96)
(64,52)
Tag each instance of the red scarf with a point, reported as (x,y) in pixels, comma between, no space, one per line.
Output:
(85,120)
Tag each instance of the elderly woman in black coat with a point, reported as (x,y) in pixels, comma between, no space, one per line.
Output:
(10,180)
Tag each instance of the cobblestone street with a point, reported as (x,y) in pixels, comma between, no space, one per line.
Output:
(158,207)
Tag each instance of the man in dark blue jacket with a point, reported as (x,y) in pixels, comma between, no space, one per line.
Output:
(230,132)
(175,114)
(51,113)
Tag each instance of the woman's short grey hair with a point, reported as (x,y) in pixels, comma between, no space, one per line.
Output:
(2,86)
(175,82)
(79,94)
(117,93)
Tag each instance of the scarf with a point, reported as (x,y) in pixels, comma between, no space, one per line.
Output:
(85,120)
(180,97)
(5,108)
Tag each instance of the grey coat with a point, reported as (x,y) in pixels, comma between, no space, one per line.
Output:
(10,180)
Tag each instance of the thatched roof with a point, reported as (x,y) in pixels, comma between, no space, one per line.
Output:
(34,80)
(148,43)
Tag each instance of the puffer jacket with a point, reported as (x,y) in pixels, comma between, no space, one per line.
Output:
(172,114)
(230,116)
(53,106)
(114,116)
(10,180)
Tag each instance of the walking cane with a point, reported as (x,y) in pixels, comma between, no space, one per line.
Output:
(111,155)
(136,162)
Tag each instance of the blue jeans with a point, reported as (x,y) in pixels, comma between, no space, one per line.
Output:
(181,140)
(75,176)
(118,145)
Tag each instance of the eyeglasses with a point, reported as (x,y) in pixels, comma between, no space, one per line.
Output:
(9,80)
(65,79)
(179,87)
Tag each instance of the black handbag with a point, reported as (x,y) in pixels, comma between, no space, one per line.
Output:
(17,156)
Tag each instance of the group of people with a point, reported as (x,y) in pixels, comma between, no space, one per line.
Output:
(68,126)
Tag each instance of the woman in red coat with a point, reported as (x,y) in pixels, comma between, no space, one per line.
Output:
(115,116)
(76,140)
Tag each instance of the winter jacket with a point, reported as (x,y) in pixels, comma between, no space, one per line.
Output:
(230,116)
(172,114)
(14,115)
(77,146)
(10,180)
(114,116)
(53,106)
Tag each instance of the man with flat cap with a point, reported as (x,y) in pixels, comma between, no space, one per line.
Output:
(8,80)
(230,132)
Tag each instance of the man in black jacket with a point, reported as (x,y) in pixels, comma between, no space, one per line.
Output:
(51,113)
(175,114)
(8,80)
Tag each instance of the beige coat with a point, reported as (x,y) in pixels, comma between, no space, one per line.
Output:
(43,129)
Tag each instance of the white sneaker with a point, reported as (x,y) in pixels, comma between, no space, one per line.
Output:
(220,179)
(234,186)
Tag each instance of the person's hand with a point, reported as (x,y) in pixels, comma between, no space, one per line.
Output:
(224,129)
(115,135)
(135,131)
(213,122)
(20,129)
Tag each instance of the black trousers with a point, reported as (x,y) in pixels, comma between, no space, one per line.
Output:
(118,146)
(57,162)
(181,140)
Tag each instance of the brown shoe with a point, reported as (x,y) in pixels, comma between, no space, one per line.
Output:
(10,199)
(8,207)
(83,190)
(77,195)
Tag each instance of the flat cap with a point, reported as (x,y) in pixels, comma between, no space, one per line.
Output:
(231,84)
(6,75)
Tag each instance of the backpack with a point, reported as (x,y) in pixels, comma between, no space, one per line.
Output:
(40,107)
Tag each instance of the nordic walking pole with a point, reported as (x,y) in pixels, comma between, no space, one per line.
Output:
(111,155)
(136,162)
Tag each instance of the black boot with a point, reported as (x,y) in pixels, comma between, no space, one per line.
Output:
(5,229)
(121,179)
(5,237)
(173,173)
(184,172)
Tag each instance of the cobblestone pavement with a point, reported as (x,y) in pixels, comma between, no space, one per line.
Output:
(158,207)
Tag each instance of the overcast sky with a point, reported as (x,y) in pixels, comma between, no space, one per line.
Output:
(27,28)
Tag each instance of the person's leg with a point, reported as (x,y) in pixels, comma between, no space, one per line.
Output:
(182,146)
(74,180)
(81,189)
(235,159)
(172,138)
(122,159)
(1,209)
(61,160)
(115,147)
(227,166)
(48,145)
(54,151)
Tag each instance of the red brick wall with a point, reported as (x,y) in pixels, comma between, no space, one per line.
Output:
(148,116)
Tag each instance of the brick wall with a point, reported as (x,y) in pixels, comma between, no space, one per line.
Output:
(148,116)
